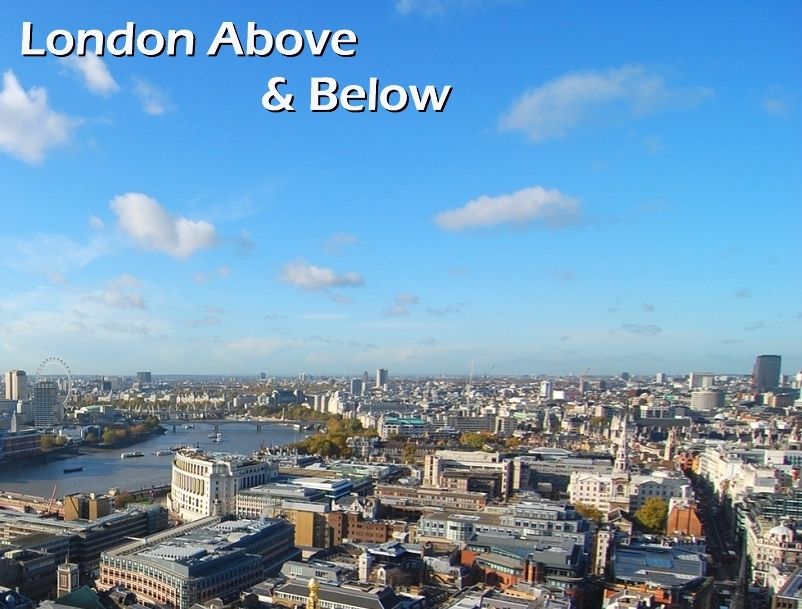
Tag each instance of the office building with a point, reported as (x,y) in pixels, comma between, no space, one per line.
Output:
(355,387)
(45,403)
(674,576)
(206,484)
(415,497)
(401,427)
(20,444)
(442,461)
(326,596)
(381,377)
(506,561)
(766,373)
(31,572)
(86,507)
(82,540)
(305,508)
(16,385)
(196,562)
(707,399)
(700,380)
(144,378)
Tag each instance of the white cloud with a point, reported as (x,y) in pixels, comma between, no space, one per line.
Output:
(550,208)
(28,127)
(453,309)
(400,307)
(95,223)
(120,293)
(51,255)
(221,272)
(338,242)
(250,347)
(311,277)
(117,327)
(647,330)
(154,101)
(94,72)
(560,106)
(321,316)
(777,102)
(204,322)
(151,227)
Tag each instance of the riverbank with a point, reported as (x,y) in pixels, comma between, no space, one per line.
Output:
(131,440)
(103,469)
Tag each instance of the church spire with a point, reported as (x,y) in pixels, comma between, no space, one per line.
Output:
(622,455)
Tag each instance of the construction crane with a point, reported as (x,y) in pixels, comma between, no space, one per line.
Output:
(52,500)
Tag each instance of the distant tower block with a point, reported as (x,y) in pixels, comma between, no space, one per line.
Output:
(16,385)
(67,579)
(766,373)
(45,396)
(381,377)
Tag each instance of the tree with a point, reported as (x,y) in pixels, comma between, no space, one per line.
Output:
(46,442)
(588,512)
(473,439)
(334,425)
(123,499)
(653,515)
(410,454)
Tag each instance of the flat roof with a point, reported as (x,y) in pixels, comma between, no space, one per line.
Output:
(663,566)
(202,544)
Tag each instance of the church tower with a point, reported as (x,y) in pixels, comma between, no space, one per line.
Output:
(619,491)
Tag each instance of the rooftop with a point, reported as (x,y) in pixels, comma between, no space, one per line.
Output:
(202,543)
(793,586)
(657,565)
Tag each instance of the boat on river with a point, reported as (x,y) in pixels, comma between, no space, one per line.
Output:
(132,455)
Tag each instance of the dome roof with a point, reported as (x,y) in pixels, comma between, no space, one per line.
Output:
(781,532)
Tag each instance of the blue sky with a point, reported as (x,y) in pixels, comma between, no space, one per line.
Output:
(611,187)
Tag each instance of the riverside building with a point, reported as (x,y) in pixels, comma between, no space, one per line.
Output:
(206,484)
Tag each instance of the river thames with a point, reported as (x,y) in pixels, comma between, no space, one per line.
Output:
(104,469)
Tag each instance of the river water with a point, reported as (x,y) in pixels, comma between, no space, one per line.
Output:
(104,469)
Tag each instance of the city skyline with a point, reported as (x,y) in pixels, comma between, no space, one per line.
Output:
(594,197)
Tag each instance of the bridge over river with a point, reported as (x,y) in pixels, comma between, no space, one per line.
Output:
(217,423)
